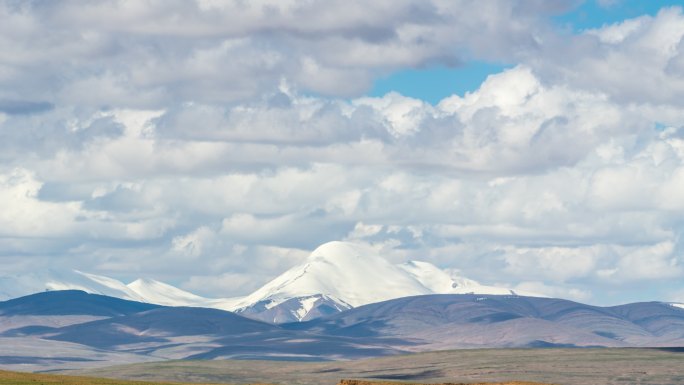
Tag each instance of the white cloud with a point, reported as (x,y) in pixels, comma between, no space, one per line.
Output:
(267,185)
(557,264)
(576,294)
(617,33)
(219,283)
(24,215)
(138,55)
(193,244)
(402,115)
(362,230)
(654,262)
(633,61)
(142,147)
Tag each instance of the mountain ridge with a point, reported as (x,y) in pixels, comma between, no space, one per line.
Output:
(88,326)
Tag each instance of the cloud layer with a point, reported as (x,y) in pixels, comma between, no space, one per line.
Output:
(217,151)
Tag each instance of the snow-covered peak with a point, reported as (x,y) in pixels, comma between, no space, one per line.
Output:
(164,294)
(444,282)
(354,275)
(349,273)
(339,252)
(99,284)
(56,279)
(433,278)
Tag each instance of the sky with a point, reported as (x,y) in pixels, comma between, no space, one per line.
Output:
(534,144)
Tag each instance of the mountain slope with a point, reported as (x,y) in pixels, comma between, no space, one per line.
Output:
(49,311)
(53,280)
(152,291)
(438,281)
(302,308)
(93,326)
(159,326)
(348,273)
(468,321)
(94,329)
(141,290)
(71,302)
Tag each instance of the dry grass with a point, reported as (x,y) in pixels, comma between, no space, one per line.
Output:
(19,378)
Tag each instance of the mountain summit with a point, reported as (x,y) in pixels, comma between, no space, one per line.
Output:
(341,275)
(349,273)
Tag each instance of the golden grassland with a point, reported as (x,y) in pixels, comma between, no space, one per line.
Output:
(20,378)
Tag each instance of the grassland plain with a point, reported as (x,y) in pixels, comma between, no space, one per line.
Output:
(556,366)
(18,378)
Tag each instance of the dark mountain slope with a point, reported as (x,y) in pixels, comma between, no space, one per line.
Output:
(71,302)
(453,320)
(159,325)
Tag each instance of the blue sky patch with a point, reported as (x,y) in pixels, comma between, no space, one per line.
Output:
(593,14)
(434,84)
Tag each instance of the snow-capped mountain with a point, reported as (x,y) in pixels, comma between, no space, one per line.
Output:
(347,275)
(161,293)
(141,290)
(439,281)
(304,308)
(336,276)
(53,280)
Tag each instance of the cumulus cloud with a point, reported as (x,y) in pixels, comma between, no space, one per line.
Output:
(264,187)
(24,215)
(576,294)
(634,61)
(239,141)
(118,53)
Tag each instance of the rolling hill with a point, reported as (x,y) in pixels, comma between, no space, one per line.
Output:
(71,329)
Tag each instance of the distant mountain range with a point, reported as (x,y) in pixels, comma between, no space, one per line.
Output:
(343,302)
(72,329)
(337,276)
